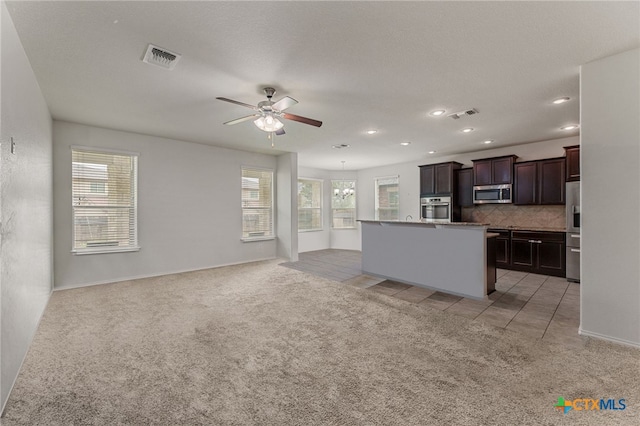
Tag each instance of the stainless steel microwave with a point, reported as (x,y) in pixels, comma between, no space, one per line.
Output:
(487,194)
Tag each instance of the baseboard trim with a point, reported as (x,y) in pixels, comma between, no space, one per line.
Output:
(586,333)
(138,277)
(24,357)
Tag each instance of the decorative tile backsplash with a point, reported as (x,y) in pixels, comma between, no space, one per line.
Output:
(512,215)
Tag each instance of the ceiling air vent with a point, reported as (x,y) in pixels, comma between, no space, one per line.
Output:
(464,113)
(161,57)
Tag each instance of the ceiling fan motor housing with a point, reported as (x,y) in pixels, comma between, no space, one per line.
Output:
(269,91)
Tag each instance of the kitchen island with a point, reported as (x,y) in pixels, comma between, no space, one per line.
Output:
(449,257)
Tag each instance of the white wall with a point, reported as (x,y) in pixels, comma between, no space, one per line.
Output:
(26,211)
(409,178)
(610,160)
(287,206)
(410,174)
(189,208)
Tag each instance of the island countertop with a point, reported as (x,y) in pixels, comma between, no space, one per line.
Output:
(424,223)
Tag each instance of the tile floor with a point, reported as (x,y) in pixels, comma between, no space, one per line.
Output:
(535,305)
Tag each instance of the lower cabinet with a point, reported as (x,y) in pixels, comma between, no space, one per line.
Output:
(538,252)
(503,248)
(531,251)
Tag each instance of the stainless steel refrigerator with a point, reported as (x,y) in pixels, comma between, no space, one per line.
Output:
(573,231)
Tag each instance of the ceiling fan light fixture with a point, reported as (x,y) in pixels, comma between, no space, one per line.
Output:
(268,123)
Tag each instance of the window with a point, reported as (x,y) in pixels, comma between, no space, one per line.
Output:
(309,205)
(257,204)
(104,201)
(387,198)
(343,204)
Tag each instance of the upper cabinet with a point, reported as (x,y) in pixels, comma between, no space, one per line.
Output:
(438,179)
(465,187)
(573,162)
(539,182)
(493,171)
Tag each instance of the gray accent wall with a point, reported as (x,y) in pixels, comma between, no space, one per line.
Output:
(26,205)
(189,207)
(610,160)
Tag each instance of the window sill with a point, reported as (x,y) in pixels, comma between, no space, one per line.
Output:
(252,239)
(344,229)
(104,251)
(310,230)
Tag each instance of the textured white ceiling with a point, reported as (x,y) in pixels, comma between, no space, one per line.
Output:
(353,65)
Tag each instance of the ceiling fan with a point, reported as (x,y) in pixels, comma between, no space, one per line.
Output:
(268,113)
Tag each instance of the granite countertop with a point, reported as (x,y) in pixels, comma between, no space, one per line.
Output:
(420,222)
(487,225)
(527,228)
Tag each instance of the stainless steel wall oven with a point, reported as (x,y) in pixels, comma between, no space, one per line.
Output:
(435,209)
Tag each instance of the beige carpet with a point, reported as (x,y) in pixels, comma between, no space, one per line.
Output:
(261,344)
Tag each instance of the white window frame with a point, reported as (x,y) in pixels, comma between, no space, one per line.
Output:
(376,195)
(133,230)
(355,208)
(312,208)
(272,207)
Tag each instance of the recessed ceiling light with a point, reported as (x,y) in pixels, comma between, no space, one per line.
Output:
(437,112)
(569,127)
(488,141)
(561,100)
(405,143)
(340,146)
(432,152)
(467,130)
(372,132)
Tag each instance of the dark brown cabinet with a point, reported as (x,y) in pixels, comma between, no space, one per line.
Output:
(538,252)
(465,187)
(503,247)
(573,162)
(438,179)
(539,182)
(491,265)
(493,171)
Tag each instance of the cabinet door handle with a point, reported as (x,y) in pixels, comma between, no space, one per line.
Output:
(535,241)
(575,236)
(575,250)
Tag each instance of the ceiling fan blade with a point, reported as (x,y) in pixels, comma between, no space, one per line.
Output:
(253,107)
(301,119)
(280,132)
(240,120)
(284,103)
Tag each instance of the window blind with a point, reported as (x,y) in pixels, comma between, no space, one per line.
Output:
(309,205)
(257,203)
(387,198)
(104,201)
